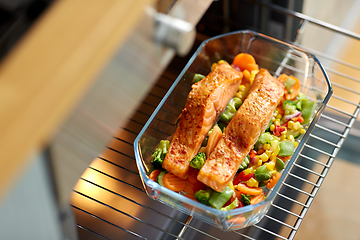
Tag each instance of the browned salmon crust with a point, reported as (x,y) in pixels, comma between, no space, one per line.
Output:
(206,101)
(242,132)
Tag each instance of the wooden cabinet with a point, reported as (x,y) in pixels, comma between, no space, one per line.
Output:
(74,78)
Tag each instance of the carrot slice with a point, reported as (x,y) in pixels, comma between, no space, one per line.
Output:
(153,175)
(214,138)
(294,90)
(284,159)
(174,183)
(243,188)
(273,180)
(251,66)
(257,199)
(299,119)
(245,62)
(282,78)
(246,75)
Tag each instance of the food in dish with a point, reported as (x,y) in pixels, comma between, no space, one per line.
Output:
(276,125)
(242,132)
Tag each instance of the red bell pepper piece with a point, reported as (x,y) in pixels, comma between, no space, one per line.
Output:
(230,200)
(252,152)
(240,204)
(299,119)
(242,177)
(278,130)
(252,155)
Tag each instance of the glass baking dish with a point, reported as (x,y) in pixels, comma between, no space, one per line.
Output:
(275,56)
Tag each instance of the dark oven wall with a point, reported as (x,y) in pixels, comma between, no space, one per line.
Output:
(232,15)
(16,16)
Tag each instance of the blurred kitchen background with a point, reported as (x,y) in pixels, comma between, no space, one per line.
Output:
(29,210)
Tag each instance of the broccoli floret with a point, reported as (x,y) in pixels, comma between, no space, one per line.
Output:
(245,199)
(198,161)
(289,107)
(159,154)
(203,196)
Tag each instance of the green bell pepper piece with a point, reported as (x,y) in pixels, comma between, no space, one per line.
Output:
(262,184)
(289,83)
(300,101)
(197,77)
(245,163)
(280,165)
(231,206)
(307,110)
(286,148)
(262,173)
(218,199)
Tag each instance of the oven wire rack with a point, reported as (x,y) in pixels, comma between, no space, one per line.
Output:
(109,201)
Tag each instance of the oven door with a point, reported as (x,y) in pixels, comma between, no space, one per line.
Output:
(109,200)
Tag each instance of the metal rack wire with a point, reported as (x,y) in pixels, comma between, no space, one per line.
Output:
(109,201)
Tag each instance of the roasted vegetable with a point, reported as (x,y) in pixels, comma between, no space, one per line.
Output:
(262,173)
(197,77)
(159,154)
(198,161)
(232,205)
(245,61)
(286,148)
(245,163)
(280,165)
(289,82)
(300,100)
(218,199)
(242,177)
(233,105)
(203,196)
(307,110)
(289,107)
(160,177)
(245,199)
(265,138)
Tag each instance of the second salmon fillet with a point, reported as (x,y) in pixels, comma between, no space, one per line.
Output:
(242,132)
(206,101)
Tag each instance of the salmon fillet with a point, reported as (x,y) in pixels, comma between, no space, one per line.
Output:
(206,101)
(241,134)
